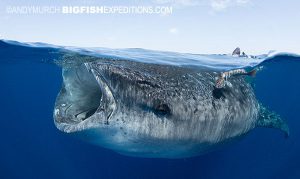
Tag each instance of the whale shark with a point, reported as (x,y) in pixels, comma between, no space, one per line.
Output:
(158,110)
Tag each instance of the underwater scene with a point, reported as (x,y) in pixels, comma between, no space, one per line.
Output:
(71,112)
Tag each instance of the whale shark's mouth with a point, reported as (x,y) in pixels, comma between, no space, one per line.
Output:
(81,97)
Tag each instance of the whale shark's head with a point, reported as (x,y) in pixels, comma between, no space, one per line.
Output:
(130,91)
(157,104)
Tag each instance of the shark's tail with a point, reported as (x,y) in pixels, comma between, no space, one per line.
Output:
(252,73)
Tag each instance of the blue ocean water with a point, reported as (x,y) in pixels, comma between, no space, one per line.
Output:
(32,147)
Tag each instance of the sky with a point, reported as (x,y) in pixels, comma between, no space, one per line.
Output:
(194,26)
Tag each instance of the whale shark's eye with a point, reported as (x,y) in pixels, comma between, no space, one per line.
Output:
(162,110)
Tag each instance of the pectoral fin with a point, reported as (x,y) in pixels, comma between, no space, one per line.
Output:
(270,119)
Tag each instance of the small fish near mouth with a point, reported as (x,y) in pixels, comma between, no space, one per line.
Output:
(221,81)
